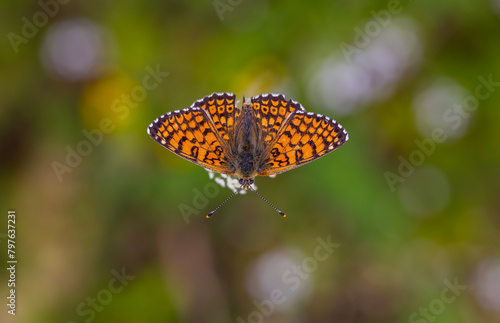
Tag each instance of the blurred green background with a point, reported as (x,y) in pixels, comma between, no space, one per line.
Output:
(401,224)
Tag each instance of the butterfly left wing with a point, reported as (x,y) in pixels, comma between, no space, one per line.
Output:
(190,134)
(221,107)
(304,137)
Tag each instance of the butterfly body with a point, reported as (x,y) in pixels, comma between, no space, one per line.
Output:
(268,136)
(245,148)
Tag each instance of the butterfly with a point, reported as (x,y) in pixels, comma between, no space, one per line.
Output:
(268,135)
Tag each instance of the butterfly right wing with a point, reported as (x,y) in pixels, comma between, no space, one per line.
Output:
(271,112)
(190,134)
(306,136)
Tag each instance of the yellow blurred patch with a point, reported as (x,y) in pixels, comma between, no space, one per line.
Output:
(107,98)
(264,74)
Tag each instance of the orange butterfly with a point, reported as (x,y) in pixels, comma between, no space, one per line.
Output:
(268,136)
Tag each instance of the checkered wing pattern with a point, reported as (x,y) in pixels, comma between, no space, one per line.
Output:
(305,137)
(190,134)
(271,112)
(221,107)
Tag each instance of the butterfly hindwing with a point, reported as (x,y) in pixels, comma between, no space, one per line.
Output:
(190,134)
(305,137)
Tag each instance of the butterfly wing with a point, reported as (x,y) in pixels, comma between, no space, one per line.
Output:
(191,134)
(271,112)
(304,137)
(221,107)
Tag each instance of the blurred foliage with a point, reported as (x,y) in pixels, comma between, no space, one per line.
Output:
(122,205)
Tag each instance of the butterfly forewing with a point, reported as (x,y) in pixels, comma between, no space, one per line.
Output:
(222,110)
(304,138)
(190,134)
(271,112)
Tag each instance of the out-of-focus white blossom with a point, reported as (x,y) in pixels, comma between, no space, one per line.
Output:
(231,181)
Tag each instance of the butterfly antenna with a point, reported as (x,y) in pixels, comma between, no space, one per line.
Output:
(262,197)
(234,193)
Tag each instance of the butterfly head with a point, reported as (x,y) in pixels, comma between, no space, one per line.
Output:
(246,182)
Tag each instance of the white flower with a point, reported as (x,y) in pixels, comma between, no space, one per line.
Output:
(231,181)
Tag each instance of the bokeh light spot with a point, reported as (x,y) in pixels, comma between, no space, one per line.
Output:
(77,49)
